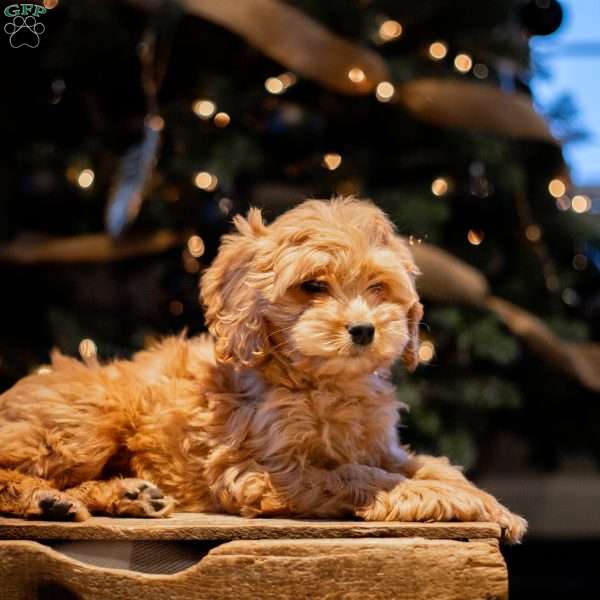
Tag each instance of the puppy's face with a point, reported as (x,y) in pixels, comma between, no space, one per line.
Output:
(328,286)
(344,308)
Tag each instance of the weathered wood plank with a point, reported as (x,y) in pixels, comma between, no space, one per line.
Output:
(409,568)
(199,526)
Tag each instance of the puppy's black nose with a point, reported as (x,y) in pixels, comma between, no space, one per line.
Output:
(362,333)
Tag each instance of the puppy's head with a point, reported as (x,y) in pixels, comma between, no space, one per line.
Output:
(328,287)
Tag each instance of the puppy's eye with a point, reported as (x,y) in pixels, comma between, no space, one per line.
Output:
(314,287)
(376,287)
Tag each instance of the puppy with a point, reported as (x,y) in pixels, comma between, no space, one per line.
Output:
(285,410)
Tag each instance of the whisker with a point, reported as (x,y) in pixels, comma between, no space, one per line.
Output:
(282,329)
(271,349)
(425,325)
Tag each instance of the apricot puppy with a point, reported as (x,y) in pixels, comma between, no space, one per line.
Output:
(285,410)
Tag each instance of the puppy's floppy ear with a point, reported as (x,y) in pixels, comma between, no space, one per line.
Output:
(231,298)
(410,356)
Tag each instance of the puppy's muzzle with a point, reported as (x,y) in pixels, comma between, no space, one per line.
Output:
(361,333)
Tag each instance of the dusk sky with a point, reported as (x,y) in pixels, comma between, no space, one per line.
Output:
(572,54)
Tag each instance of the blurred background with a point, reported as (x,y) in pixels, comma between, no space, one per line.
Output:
(134,129)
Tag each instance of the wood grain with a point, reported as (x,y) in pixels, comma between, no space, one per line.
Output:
(197,526)
(409,568)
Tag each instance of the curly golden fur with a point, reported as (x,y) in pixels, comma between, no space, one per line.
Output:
(285,410)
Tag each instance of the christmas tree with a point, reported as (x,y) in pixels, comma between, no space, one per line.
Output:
(134,130)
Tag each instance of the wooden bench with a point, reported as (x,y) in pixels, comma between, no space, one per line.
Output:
(257,559)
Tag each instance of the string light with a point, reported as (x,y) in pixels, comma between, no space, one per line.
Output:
(50,4)
(390,30)
(58,87)
(426,352)
(195,246)
(563,203)
(278,85)
(480,71)
(384,91)
(438,50)
(580,262)
(274,85)
(288,79)
(86,178)
(533,233)
(175,308)
(206,181)
(332,161)
(570,296)
(356,75)
(222,119)
(439,186)
(204,109)
(475,236)
(581,203)
(155,122)
(87,348)
(463,63)
(557,188)
(225,205)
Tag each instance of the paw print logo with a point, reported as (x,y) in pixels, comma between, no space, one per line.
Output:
(24,31)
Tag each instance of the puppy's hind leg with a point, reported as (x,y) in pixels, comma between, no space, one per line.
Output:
(57,430)
(126,497)
(35,498)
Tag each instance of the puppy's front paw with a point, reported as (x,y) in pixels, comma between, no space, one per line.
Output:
(55,506)
(513,526)
(426,501)
(139,498)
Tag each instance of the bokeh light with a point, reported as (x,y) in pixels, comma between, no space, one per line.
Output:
(87,348)
(438,50)
(463,63)
(439,186)
(356,75)
(204,109)
(390,30)
(206,181)
(332,161)
(557,188)
(195,246)
(222,119)
(475,236)
(384,91)
(426,352)
(86,178)
(581,203)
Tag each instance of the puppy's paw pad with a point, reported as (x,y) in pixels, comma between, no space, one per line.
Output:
(134,488)
(141,498)
(55,506)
